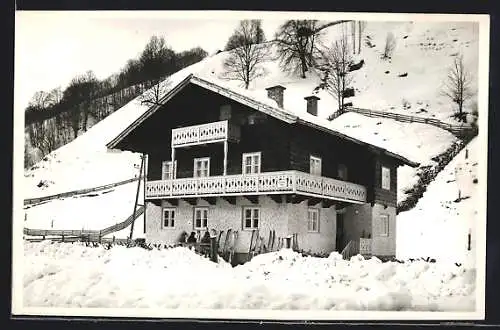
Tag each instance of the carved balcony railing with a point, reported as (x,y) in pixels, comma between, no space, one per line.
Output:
(206,133)
(265,183)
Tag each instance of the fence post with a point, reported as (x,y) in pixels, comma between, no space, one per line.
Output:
(213,248)
(100,236)
(62,238)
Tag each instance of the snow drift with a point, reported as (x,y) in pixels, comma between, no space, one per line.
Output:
(283,280)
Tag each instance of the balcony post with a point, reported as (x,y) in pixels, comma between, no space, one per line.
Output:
(225,157)
(172,158)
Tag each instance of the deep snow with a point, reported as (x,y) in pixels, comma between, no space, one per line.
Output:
(438,226)
(283,280)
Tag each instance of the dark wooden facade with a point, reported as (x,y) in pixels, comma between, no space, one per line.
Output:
(283,146)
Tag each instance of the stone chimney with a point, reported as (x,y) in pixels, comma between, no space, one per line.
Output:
(276,93)
(312,104)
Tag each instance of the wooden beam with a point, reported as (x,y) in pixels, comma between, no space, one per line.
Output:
(191,201)
(276,198)
(225,158)
(341,205)
(313,201)
(173,201)
(327,203)
(210,200)
(295,199)
(156,202)
(172,158)
(230,199)
(252,198)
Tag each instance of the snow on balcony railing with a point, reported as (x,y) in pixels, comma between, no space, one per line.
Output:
(205,133)
(267,182)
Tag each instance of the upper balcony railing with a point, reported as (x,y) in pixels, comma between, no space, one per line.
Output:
(265,183)
(206,133)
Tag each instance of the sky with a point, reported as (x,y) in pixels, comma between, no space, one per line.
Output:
(53,47)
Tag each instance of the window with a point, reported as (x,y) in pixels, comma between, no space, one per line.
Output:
(342,172)
(313,220)
(315,165)
(201,167)
(167,171)
(251,163)
(200,218)
(251,216)
(386,178)
(169,217)
(384,225)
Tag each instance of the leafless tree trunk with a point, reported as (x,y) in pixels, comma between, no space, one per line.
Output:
(51,137)
(37,133)
(153,95)
(244,61)
(353,35)
(457,86)
(337,59)
(361,28)
(296,41)
(390,45)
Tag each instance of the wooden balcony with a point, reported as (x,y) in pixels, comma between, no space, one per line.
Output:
(219,131)
(282,182)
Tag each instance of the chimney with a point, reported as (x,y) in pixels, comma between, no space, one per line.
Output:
(276,93)
(312,104)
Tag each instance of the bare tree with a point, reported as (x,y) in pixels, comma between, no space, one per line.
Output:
(37,134)
(40,101)
(336,61)
(390,45)
(153,95)
(253,34)
(457,86)
(55,96)
(51,140)
(296,45)
(353,35)
(361,28)
(245,59)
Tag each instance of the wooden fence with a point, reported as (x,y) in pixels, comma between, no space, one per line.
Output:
(458,130)
(30,201)
(91,235)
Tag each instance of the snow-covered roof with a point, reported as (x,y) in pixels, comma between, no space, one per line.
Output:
(255,100)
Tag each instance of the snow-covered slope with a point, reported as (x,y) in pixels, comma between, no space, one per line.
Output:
(425,52)
(284,280)
(425,231)
(89,212)
(85,162)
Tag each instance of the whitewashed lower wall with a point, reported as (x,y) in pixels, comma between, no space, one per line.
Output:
(284,218)
(365,218)
(320,242)
(383,245)
(357,219)
(222,216)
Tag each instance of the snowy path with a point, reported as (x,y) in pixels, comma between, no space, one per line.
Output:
(283,280)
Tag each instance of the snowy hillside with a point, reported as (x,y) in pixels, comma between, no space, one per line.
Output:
(425,52)
(284,280)
(439,215)
(94,211)
(86,163)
